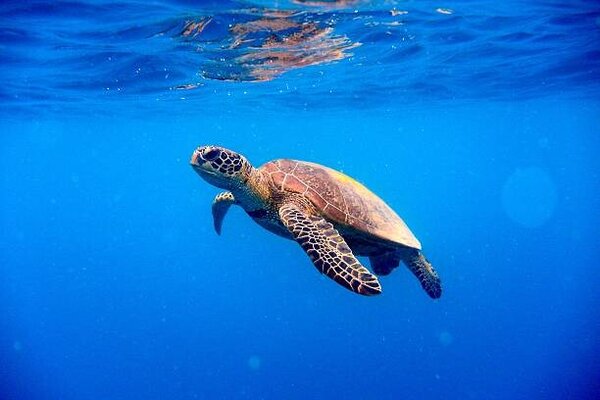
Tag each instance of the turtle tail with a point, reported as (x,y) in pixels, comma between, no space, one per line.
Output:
(425,273)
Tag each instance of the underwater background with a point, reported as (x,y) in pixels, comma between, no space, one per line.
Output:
(477,121)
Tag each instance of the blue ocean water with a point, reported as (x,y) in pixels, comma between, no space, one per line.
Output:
(477,121)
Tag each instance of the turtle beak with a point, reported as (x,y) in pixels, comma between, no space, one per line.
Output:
(196,160)
(200,164)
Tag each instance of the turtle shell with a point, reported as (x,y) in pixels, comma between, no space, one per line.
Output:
(340,199)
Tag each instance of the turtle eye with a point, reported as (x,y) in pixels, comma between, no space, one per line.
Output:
(211,154)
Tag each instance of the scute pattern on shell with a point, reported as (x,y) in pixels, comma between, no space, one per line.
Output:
(340,199)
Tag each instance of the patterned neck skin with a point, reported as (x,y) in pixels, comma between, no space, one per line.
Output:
(252,194)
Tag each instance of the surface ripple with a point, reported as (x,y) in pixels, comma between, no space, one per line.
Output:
(296,54)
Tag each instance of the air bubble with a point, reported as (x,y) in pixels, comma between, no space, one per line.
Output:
(254,363)
(445,338)
(529,197)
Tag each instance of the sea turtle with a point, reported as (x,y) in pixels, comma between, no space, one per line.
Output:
(331,216)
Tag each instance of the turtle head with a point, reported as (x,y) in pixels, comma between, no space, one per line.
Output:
(221,167)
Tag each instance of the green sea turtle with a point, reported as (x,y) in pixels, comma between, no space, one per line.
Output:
(331,216)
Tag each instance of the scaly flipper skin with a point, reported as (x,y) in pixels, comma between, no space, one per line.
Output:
(424,271)
(220,205)
(328,250)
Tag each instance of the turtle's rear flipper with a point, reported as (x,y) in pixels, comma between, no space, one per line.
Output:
(424,272)
(328,250)
(383,264)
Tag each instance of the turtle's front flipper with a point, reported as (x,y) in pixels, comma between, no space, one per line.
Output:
(423,270)
(220,205)
(328,250)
